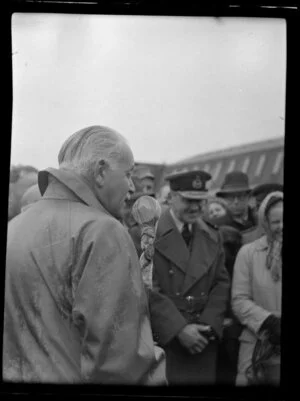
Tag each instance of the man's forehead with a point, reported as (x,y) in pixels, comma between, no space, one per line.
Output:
(126,159)
(187,200)
(235,195)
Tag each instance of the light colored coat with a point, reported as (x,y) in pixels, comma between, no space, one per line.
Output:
(255,296)
(75,307)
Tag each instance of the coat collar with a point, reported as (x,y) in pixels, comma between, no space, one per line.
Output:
(73,188)
(262,243)
(203,254)
(170,242)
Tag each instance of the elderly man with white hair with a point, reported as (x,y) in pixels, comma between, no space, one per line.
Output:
(75,306)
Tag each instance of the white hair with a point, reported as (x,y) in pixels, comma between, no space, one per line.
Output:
(83,150)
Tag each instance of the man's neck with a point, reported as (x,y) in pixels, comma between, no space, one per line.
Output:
(179,224)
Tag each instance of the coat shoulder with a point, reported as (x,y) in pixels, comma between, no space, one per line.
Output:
(247,250)
(210,229)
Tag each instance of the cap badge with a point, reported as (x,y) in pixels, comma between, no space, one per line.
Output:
(197,183)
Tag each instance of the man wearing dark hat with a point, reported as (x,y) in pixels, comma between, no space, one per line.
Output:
(257,195)
(235,190)
(189,270)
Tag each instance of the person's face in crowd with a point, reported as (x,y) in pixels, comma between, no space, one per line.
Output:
(215,210)
(23,183)
(186,210)
(12,203)
(147,185)
(17,190)
(115,183)
(127,214)
(164,195)
(237,203)
(275,220)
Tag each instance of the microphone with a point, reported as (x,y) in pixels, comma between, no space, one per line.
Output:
(146,211)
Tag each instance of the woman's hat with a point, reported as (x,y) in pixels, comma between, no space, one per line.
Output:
(261,191)
(236,181)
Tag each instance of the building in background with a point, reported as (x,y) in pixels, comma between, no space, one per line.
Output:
(261,161)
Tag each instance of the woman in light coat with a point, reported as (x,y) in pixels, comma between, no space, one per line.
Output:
(256,288)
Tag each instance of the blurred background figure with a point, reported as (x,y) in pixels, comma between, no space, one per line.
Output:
(21,178)
(128,220)
(31,195)
(256,297)
(217,212)
(147,180)
(163,196)
(235,191)
(12,203)
(229,345)
(257,195)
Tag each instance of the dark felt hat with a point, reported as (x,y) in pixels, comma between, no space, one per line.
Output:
(236,181)
(261,191)
(189,184)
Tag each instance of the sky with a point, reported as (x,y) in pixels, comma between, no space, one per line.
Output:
(175,87)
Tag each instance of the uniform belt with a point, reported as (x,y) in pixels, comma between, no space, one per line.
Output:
(190,304)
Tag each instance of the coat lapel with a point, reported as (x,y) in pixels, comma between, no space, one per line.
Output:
(203,254)
(170,243)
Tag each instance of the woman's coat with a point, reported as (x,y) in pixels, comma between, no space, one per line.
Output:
(255,296)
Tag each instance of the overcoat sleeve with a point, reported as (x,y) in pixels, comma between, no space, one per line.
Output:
(246,310)
(110,307)
(166,320)
(218,297)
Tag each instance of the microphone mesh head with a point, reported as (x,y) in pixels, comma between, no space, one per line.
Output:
(146,209)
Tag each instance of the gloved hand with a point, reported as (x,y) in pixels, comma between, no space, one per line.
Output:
(272,325)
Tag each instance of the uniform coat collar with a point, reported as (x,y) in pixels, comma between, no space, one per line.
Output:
(171,245)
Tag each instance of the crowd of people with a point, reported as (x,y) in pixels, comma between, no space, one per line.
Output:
(76,307)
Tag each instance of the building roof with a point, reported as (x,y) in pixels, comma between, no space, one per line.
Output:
(233,151)
(262,161)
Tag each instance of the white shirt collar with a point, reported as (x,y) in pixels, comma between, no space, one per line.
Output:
(179,224)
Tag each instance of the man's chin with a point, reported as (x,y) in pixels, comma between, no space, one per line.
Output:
(191,219)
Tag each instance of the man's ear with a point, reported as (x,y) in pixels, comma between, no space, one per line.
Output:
(101,172)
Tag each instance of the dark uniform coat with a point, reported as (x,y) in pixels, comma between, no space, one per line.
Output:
(177,274)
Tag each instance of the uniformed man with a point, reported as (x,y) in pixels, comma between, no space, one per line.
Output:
(189,271)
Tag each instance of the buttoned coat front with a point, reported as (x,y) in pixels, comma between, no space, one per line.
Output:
(179,272)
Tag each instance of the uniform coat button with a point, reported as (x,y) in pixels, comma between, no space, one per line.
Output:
(177,294)
(171,272)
